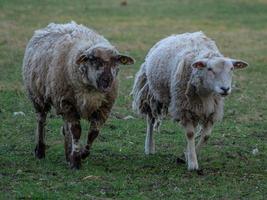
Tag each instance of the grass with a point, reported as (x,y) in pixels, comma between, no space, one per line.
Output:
(117,167)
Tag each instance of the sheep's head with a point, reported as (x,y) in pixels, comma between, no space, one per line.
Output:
(99,66)
(215,75)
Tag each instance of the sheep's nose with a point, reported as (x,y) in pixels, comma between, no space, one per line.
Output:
(104,82)
(225,89)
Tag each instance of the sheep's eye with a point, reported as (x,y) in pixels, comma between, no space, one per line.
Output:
(232,68)
(209,69)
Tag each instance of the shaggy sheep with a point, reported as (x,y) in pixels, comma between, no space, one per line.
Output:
(73,69)
(188,77)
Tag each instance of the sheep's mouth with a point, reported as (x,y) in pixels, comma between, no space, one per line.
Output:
(224,94)
(104,89)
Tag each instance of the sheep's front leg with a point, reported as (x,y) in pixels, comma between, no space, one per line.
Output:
(40,135)
(150,142)
(190,154)
(67,140)
(75,156)
(204,135)
(92,135)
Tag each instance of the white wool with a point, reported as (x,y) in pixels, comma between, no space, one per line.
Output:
(188,77)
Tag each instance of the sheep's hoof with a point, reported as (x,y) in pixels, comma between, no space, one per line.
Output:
(40,151)
(192,166)
(200,172)
(180,161)
(75,160)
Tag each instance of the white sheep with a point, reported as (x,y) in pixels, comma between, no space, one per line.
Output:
(73,69)
(184,75)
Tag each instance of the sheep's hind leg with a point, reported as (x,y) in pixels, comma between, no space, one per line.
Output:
(190,154)
(150,142)
(92,135)
(204,136)
(40,135)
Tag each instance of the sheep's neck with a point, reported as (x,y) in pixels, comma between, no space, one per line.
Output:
(202,100)
(198,94)
(203,92)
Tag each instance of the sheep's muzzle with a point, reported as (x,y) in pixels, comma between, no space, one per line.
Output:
(104,82)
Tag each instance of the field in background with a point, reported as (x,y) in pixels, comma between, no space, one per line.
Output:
(117,167)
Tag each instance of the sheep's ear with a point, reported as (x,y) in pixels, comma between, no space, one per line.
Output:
(125,60)
(199,64)
(239,64)
(82,59)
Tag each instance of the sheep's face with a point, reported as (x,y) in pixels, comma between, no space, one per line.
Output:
(215,75)
(99,67)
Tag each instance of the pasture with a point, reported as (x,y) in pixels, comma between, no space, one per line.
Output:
(234,161)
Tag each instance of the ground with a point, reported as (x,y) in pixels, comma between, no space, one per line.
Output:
(234,161)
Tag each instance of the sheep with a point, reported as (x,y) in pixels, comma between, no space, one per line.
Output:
(73,69)
(187,77)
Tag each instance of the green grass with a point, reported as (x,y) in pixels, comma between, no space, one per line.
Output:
(117,167)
